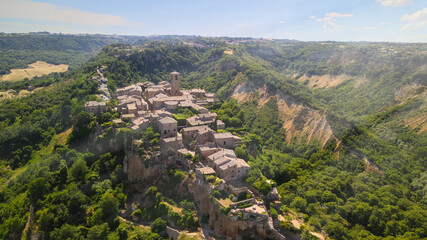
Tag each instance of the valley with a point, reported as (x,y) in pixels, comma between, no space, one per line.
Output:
(329,139)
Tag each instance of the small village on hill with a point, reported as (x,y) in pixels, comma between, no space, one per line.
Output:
(199,145)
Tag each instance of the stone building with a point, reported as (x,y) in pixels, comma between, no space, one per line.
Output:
(130,104)
(202,119)
(226,140)
(175,84)
(168,127)
(189,133)
(170,145)
(95,107)
(227,165)
(132,90)
(220,124)
(140,123)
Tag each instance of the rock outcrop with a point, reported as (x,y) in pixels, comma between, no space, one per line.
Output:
(231,227)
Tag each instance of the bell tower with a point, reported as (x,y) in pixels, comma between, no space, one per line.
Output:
(175,84)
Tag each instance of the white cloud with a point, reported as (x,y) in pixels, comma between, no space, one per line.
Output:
(329,19)
(385,23)
(415,20)
(25,9)
(338,15)
(417,25)
(281,22)
(394,2)
(419,15)
(331,25)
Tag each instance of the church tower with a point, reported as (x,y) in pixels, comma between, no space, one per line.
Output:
(175,84)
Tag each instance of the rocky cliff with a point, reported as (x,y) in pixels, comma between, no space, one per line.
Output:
(230,227)
(301,122)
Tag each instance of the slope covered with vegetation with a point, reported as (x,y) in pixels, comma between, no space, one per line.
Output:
(369,183)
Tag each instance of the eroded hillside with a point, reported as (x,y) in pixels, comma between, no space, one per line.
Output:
(301,122)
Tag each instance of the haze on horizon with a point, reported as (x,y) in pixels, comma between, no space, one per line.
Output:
(308,20)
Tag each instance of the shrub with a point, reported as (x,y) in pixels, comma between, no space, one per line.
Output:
(289,227)
(246,205)
(210,178)
(158,226)
(225,210)
(216,194)
(274,213)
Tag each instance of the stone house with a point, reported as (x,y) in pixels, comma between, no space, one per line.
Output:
(226,140)
(227,165)
(182,160)
(132,90)
(204,137)
(130,104)
(220,124)
(141,123)
(206,150)
(197,92)
(202,119)
(189,133)
(170,145)
(153,90)
(202,173)
(95,107)
(168,127)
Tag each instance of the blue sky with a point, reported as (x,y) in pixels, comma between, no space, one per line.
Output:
(307,20)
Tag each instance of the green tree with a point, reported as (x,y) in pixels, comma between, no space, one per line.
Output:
(98,232)
(158,226)
(37,189)
(79,170)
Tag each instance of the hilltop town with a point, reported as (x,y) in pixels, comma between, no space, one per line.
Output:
(197,144)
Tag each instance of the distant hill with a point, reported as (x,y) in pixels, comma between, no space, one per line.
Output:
(20,50)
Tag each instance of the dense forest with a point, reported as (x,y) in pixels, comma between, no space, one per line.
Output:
(368,182)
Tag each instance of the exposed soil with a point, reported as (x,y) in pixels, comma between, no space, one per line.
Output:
(419,121)
(324,81)
(300,121)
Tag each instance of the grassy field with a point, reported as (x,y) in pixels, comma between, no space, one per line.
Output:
(38,68)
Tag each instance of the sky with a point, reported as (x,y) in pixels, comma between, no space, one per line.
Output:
(305,20)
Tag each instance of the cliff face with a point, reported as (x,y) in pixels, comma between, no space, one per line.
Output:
(224,225)
(300,121)
(154,171)
(227,226)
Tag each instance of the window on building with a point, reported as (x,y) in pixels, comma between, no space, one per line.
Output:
(166,132)
(225,143)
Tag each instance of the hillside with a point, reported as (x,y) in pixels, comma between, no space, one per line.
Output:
(338,128)
(19,50)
